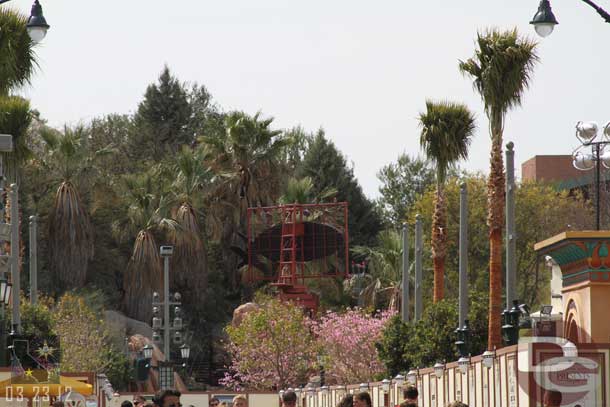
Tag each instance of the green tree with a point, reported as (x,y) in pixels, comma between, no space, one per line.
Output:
(70,232)
(402,182)
(163,118)
(17,58)
(447,130)
(542,211)
(246,162)
(501,70)
(403,347)
(15,119)
(327,167)
(144,197)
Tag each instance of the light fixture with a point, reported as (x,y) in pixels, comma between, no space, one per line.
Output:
(177,337)
(156,297)
(37,25)
(364,387)
(412,377)
(156,323)
(156,337)
(385,385)
(582,160)
(177,323)
(488,358)
(586,132)
(177,297)
(399,380)
(185,351)
(147,350)
(281,393)
(439,370)
(177,311)
(5,291)
(546,310)
(544,20)
(463,364)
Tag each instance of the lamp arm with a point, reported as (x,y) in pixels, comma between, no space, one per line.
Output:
(605,15)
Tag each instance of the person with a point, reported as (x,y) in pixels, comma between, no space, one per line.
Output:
(346,401)
(457,404)
(139,400)
(126,403)
(410,394)
(167,398)
(214,402)
(240,401)
(552,398)
(289,399)
(362,399)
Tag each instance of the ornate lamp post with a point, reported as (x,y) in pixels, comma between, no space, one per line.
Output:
(586,133)
(37,25)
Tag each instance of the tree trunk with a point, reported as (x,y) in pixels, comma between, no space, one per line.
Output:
(495,221)
(439,243)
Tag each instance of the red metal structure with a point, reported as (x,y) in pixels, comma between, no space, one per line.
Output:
(289,244)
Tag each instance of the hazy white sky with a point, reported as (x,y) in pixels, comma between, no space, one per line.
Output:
(361,70)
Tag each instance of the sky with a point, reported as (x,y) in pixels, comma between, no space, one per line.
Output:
(360,70)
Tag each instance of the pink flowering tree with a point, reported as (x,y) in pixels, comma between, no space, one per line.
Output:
(272,348)
(347,341)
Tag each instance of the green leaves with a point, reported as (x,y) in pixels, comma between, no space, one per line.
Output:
(17,58)
(447,131)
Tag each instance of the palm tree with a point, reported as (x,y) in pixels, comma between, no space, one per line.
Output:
(148,211)
(447,130)
(190,260)
(301,191)
(15,119)
(246,161)
(67,158)
(17,59)
(501,70)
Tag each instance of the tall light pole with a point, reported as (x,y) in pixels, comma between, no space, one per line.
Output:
(37,25)
(586,133)
(544,20)
(166,371)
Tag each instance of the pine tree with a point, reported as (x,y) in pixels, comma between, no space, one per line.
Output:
(327,167)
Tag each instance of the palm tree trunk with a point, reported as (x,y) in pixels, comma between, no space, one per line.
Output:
(495,221)
(439,243)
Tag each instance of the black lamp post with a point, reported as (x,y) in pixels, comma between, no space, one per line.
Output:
(463,339)
(544,20)
(37,25)
(511,324)
(5,298)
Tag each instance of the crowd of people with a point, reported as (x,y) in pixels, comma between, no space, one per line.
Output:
(171,398)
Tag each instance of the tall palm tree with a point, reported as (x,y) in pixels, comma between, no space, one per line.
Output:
(301,191)
(148,211)
(447,130)
(15,119)
(17,59)
(67,159)
(192,178)
(501,70)
(246,161)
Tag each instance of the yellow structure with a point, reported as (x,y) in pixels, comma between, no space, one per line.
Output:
(584,259)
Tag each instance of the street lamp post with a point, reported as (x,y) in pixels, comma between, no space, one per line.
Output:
(164,324)
(584,161)
(37,25)
(544,20)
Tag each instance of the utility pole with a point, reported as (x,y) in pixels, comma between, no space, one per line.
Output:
(463,261)
(405,274)
(418,267)
(511,234)
(33,260)
(15,277)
